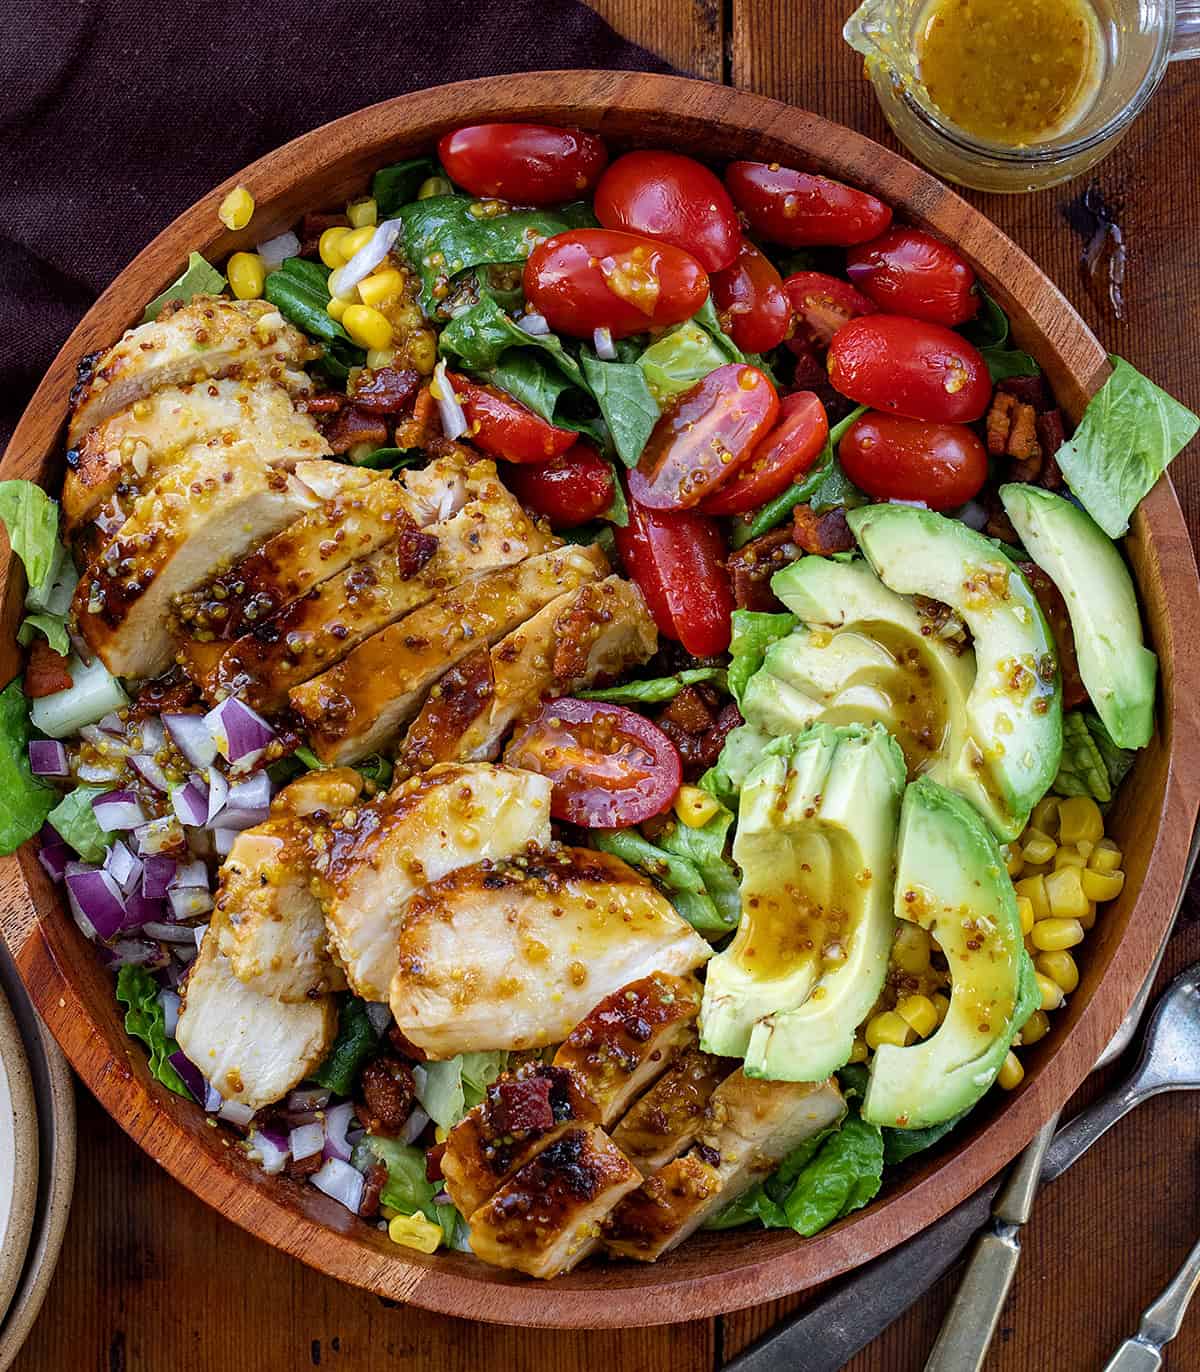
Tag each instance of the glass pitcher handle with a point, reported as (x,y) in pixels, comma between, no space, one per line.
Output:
(1186,40)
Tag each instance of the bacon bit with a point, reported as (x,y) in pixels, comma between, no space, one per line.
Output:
(1054,607)
(389,1093)
(752,567)
(697,728)
(353,426)
(810,375)
(327,402)
(374,1180)
(386,390)
(520,1105)
(423,426)
(825,534)
(304,1167)
(402,1045)
(46,671)
(691,711)
(312,226)
(433,1162)
(1011,428)
(414,548)
(1028,390)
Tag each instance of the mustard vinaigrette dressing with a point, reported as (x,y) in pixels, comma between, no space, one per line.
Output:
(1010,71)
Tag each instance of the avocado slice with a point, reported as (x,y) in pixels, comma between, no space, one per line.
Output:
(1015,704)
(951,880)
(815,842)
(1117,668)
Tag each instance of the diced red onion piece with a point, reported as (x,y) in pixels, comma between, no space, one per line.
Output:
(198,932)
(535,325)
(86,927)
(341,1183)
(159,835)
(189,874)
(108,745)
(366,259)
(235,821)
(118,810)
(169,1003)
(414,1126)
(213,1100)
(453,416)
(183,954)
(123,867)
(191,735)
(218,793)
(236,1112)
(308,1098)
(190,803)
(224,839)
(54,858)
(148,735)
(100,900)
(134,952)
(112,724)
(148,769)
(241,735)
(166,932)
(337,1121)
(252,794)
(272,1151)
(48,758)
(306,1140)
(275,251)
(139,911)
(380,1016)
(157,875)
(100,773)
(187,902)
(602,341)
(193,1078)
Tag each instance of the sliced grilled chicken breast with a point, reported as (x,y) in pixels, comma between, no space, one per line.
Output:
(749,1126)
(209,508)
(206,337)
(252,1048)
(546,1218)
(668,1118)
(514,954)
(128,451)
(597,630)
(418,832)
(353,708)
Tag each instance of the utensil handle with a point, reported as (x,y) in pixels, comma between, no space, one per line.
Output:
(1185,43)
(966,1333)
(1160,1322)
(1074,1139)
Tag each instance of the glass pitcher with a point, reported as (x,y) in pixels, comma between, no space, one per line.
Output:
(1137,38)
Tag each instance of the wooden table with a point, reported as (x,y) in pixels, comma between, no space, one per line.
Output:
(151,1280)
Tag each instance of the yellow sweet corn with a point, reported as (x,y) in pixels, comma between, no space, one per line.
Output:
(911,948)
(380,357)
(329,246)
(433,185)
(337,307)
(247,275)
(1049,935)
(367,327)
(1079,817)
(237,208)
(919,1013)
(1011,1073)
(695,807)
(858,1051)
(1052,993)
(1068,857)
(941,1004)
(422,351)
(1064,891)
(1105,856)
(1013,861)
(379,286)
(1100,886)
(1034,890)
(1025,910)
(1060,967)
(355,239)
(1037,1026)
(362,213)
(1088,921)
(415,1231)
(1045,816)
(888,1027)
(1037,847)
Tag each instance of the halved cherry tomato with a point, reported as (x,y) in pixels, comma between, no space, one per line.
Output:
(532,164)
(753,307)
(609,767)
(567,490)
(673,198)
(910,367)
(908,271)
(801,209)
(677,558)
(893,458)
(703,436)
(822,304)
(786,453)
(592,279)
(502,427)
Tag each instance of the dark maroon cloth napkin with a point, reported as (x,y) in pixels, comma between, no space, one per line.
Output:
(114,117)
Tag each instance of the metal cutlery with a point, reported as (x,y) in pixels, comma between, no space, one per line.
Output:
(1160,1322)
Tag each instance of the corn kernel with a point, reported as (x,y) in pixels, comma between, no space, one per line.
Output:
(1025,910)
(1034,890)
(1088,921)
(1013,861)
(1105,856)
(1049,935)
(387,1212)
(237,208)
(941,1004)
(441,1133)
(329,246)
(911,948)
(1068,857)
(858,1051)
(1084,848)
(376,288)
(919,1013)
(362,213)
(1011,1073)
(336,308)
(1060,967)
(888,1027)
(415,1231)
(433,185)
(1080,818)
(247,274)
(1037,1026)
(1045,816)
(695,807)
(359,452)
(1099,886)
(1064,891)
(1052,992)
(367,327)
(355,239)
(1037,847)
(380,357)
(422,351)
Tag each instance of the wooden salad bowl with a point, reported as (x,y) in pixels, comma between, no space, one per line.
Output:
(1152,820)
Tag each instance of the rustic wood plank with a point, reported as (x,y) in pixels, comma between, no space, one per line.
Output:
(688,33)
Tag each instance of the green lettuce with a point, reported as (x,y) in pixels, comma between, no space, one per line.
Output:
(144,1019)
(407,1189)
(31,519)
(753,633)
(674,363)
(621,391)
(199,278)
(901,1144)
(451,1088)
(1005,362)
(656,690)
(24,801)
(396,185)
(1092,764)
(356,1041)
(53,629)
(1130,431)
(75,821)
(1117,760)
(740,755)
(299,291)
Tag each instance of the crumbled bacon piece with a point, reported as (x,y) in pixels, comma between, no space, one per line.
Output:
(353,426)
(1054,607)
(515,1106)
(752,567)
(433,1162)
(423,426)
(168,695)
(374,1180)
(693,710)
(414,548)
(389,1094)
(385,390)
(824,534)
(1028,390)
(1011,428)
(305,1167)
(698,727)
(46,671)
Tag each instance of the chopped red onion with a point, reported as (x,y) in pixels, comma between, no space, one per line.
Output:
(183,954)
(139,911)
(189,874)
(100,901)
(224,839)
(366,259)
(133,952)
(380,1016)
(454,418)
(148,769)
(341,1183)
(602,341)
(306,1140)
(99,773)
(414,1126)
(198,932)
(213,1100)
(165,932)
(252,794)
(118,810)
(105,743)
(169,1003)
(218,793)
(54,858)
(148,735)
(272,1150)
(123,867)
(159,835)
(191,735)
(236,1112)
(241,735)
(308,1098)
(535,325)
(112,724)
(275,251)
(337,1121)
(48,758)
(973,515)
(187,902)
(157,875)
(190,803)
(192,1077)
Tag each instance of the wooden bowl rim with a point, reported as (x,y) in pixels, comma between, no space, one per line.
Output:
(727,1275)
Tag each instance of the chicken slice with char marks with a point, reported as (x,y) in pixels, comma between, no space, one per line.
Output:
(205,511)
(419,831)
(252,1048)
(668,1118)
(513,955)
(598,630)
(208,336)
(546,1218)
(353,708)
(750,1125)
(131,449)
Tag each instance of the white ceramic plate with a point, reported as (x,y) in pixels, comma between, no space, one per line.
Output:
(18,1155)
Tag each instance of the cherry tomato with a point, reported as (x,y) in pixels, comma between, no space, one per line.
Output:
(801,209)
(609,767)
(750,298)
(908,271)
(893,458)
(822,304)
(502,427)
(910,367)
(703,436)
(532,164)
(786,453)
(601,279)
(673,198)
(677,558)
(567,490)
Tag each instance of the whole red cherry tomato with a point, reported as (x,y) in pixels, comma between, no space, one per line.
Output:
(910,367)
(503,427)
(801,209)
(908,271)
(567,490)
(532,164)
(673,198)
(609,767)
(822,304)
(750,299)
(703,436)
(592,279)
(677,558)
(893,458)
(786,453)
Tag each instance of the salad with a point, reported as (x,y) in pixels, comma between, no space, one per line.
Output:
(578,694)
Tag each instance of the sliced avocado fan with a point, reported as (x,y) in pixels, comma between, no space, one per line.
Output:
(951,880)
(815,843)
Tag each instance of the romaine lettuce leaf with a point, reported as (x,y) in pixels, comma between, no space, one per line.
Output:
(199,278)
(658,689)
(674,363)
(623,395)
(138,992)
(450,1088)
(31,518)
(53,629)
(407,1189)
(845,1174)
(753,633)
(356,1041)
(1117,760)
(25,802)
(1081,772)
(396,185)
